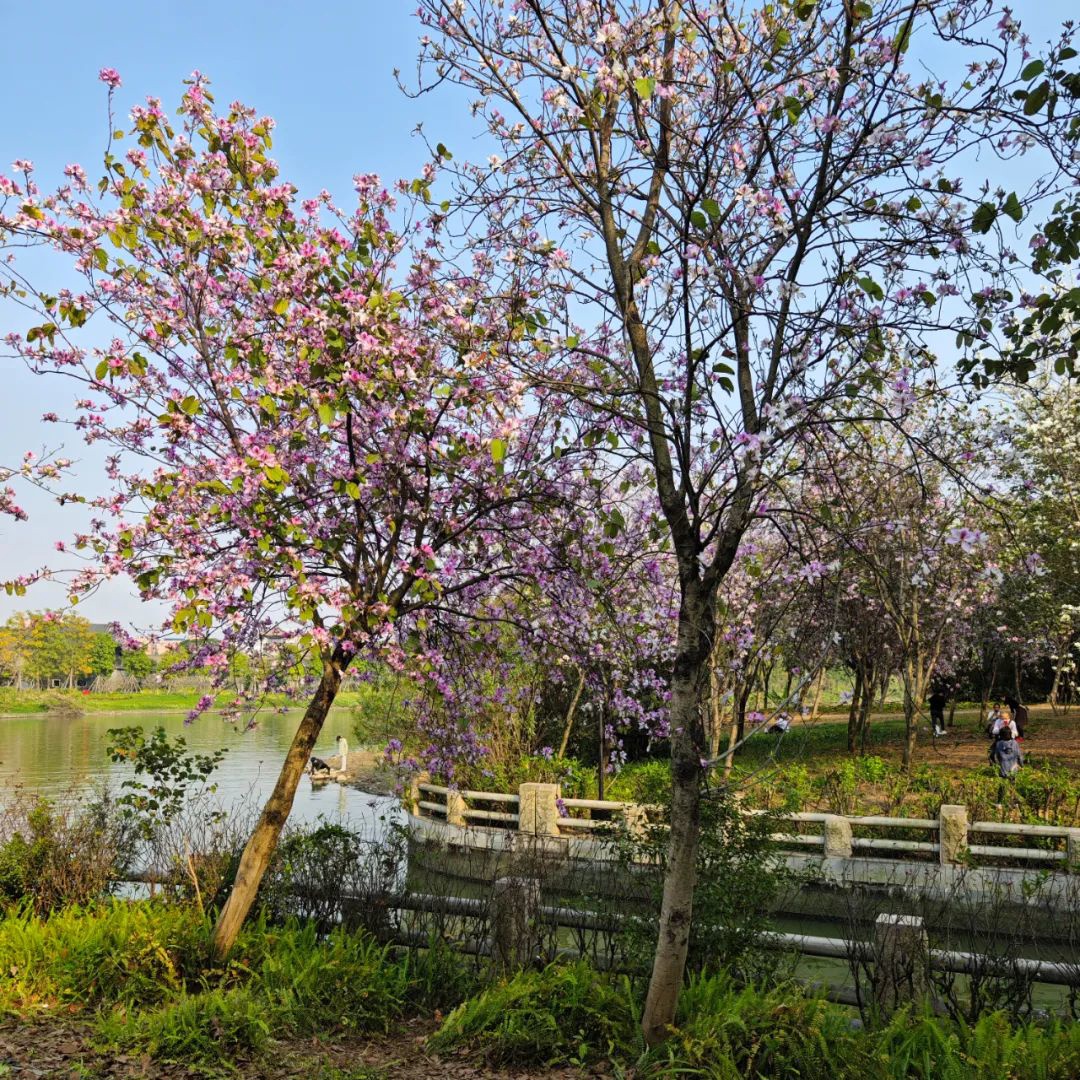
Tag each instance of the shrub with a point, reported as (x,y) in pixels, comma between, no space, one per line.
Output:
(53,854)
(560,1015)
(738,884)
(330,874)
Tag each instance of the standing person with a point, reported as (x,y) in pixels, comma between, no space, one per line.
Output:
(1019,715)
(937,709)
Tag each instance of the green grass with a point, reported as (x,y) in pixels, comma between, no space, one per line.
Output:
(42,701)
(141,972)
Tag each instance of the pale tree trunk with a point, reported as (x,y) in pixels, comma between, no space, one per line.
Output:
(570,713)
(260,847)
(733,738)
(716,713)
(680,876)
(853,712)
(817,694)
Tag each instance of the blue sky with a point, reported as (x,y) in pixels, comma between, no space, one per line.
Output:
(324,71)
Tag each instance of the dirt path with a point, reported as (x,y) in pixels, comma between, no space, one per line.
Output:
(57,1046)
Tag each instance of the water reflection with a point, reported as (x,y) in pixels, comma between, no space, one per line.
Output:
(56,755)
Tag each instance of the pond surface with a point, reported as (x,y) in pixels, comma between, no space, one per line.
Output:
(60,756)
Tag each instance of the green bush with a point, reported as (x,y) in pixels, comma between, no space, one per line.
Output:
(52,855)
(560,1015)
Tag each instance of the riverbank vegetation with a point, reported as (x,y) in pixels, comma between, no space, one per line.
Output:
(137,979)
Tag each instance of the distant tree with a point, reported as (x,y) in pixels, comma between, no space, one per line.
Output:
(138,663)
(102,654)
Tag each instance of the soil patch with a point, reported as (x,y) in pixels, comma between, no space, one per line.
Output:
(58,1046)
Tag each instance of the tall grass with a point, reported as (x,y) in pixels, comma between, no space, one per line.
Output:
(142,971)
(572,1015)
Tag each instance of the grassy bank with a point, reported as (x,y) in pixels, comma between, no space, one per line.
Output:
(21,702)
(133,981)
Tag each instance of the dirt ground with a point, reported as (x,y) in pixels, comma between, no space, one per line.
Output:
(62,1047)
(1050,738)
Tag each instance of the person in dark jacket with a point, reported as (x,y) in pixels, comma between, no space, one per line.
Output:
(937,702)
(1006,754)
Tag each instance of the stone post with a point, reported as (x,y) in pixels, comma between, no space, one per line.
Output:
(538,814)
(343,752)
(415,794)
(515,915)
(455,808)
(837,837)
(952,835)
(1072,850)
(637,821)
(901,961)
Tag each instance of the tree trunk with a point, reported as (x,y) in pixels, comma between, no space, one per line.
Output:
(716,712)
(570,713)
(864,710)
(817,694)
(260,847)
(853,712)
(680,873)
(910,704)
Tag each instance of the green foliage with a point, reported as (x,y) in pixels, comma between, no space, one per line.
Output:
(54,855)
(738,882)
(724,1032)
(142,970)
(138,663)
(102,654)
(141,975)
(558,1016)
(170,768)
(330,873)
(379,710)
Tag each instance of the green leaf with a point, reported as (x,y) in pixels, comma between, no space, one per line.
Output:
(327,413)
(498,450)
(1012,207)
(1037,98)
(190,405)
(712,208)
(281,306)
(645,87)
(984,217)
(871,288)
(699,220)
(101,370)
(1036,67)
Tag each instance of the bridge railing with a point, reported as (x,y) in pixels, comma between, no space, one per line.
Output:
(948,839)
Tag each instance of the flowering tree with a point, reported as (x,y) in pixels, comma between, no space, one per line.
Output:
(1042,432)
(745,203)
(911,505)
(304,442)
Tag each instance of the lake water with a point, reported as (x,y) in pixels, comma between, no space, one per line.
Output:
(59,756)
